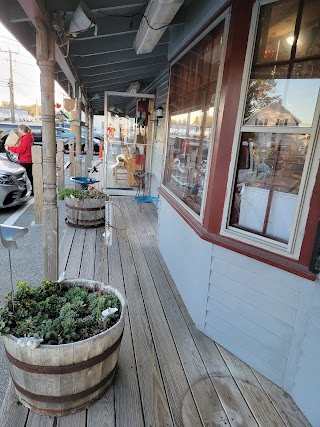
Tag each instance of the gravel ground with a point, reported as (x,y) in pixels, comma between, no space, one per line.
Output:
(27,265)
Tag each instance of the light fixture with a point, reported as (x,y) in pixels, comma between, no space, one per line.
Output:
(290,40)
(159,112)
(82,20)
(158,14)
(158,115)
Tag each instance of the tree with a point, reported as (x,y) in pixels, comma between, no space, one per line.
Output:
(260,95)
(196,121)
(5,104)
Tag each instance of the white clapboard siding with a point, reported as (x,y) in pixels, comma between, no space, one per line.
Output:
(249,311)
(243,350)
(223,320)
(306,387)
(257,281)
(262,302)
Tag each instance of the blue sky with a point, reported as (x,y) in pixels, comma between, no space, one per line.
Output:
(299,96)
(26,73)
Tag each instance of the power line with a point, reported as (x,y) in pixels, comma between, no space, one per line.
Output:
(17,72)
(24,95)
(27,84)
(4,37)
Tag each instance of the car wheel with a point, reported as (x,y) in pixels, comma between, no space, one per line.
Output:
(12,156)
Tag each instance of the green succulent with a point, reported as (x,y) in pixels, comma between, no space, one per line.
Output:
(57,314)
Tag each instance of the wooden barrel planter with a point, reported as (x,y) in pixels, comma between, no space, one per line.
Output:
(86,213)
(63,379)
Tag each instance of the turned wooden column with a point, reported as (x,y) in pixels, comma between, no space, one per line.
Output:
(78,161)
(88,147)
(45,43)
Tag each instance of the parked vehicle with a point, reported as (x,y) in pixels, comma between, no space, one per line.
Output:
(15,187)
(61,134)
(97,137)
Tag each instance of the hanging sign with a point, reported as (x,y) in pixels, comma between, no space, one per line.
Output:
(69,104)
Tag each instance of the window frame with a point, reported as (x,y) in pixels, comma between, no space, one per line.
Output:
(226,17)
(293,247)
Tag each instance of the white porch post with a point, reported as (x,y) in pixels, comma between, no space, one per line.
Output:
(91,134)
(88,146)
(78,136)
(45,43)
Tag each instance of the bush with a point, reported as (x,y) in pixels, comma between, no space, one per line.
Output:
(56,314)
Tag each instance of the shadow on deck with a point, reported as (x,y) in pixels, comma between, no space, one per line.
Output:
(169,373)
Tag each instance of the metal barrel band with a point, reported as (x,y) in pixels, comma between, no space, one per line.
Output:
(67,398)
(67,369)
(98,208)
(100,224)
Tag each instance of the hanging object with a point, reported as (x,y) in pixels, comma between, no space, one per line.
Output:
(108,224)
(82,20)
(69,104)
(142,113)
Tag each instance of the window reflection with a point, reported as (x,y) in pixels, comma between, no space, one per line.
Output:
(193,83)
(269,173)
(286,65)
(282,93)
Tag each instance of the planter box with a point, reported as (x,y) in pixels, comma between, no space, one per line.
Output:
(62,379)
(87,213)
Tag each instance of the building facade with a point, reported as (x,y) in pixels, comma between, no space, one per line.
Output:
(239,189)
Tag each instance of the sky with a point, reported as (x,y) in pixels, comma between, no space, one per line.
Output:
(26,73)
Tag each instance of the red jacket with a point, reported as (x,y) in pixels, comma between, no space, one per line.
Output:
(24,149)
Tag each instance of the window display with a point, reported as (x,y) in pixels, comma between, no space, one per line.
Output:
(278,124)
(192,97)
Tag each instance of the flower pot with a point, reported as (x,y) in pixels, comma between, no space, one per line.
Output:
(62,379)
(87,213)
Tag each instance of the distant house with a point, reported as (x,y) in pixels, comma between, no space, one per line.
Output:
(274,114)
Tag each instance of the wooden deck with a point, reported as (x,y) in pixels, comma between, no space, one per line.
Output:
(169,373)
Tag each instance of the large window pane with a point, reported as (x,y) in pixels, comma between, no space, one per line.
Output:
(193,84)
(276,25)
(282,71)
(268,179)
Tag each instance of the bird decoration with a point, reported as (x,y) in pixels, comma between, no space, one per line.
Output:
(176,160)
(119,159)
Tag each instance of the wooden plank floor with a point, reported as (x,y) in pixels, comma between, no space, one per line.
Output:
(169,373)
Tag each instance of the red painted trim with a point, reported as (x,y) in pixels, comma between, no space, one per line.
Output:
(312,224)
(227,116)
(292,266)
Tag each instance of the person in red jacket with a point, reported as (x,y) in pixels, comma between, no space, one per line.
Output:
(24,150)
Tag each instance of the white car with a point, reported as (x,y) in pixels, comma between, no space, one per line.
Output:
(15,187)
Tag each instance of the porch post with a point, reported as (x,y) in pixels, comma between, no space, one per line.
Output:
(45,45)
(88,145)
(91,134)
(78,136)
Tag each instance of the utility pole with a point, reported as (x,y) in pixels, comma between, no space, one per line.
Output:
(13,117)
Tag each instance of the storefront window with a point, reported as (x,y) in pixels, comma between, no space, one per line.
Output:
(193,86)
(282,94)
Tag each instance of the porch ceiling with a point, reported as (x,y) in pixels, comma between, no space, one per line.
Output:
(107,61)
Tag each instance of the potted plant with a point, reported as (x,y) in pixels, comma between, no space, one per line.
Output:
(62,343)
(85,209)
